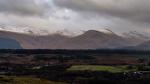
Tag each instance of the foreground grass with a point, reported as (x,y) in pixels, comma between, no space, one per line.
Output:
(25,80)
(112,69)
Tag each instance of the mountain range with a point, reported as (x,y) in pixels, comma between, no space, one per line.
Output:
(91,39)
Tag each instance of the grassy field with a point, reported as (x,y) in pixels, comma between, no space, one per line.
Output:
(112,69)
(25,80)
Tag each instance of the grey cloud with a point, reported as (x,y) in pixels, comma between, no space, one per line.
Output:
(119,15)
(137,10)
(22,7)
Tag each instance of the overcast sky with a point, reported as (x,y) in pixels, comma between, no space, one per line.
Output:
(48,16)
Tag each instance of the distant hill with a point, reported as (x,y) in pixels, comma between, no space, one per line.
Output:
(91,39)
(6,43)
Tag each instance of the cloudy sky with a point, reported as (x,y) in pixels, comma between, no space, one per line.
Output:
(49,16)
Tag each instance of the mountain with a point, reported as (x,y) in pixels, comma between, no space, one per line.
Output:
(6,43)
(95,40)
(33,41)
(141,40)
(91,39)
(137,37)
(143,46)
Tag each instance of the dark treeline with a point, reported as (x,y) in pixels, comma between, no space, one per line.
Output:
(59,51)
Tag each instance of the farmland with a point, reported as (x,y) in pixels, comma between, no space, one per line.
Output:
(74,67)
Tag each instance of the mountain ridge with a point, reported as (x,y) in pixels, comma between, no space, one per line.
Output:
(91,39)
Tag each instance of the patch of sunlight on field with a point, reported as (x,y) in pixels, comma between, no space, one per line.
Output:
(113,69)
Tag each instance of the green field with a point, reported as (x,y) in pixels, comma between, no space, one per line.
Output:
(25,80)
(112,69)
